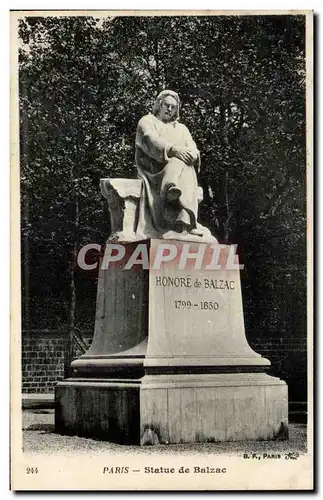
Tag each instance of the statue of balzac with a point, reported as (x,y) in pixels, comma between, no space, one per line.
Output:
(167,160)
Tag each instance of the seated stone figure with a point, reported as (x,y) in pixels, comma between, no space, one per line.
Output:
(167,159)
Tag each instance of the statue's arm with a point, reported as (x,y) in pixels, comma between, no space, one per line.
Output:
(148,140)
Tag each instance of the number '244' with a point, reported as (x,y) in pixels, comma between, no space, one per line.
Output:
(31,470)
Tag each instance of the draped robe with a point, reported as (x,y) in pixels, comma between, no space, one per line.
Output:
(159,172)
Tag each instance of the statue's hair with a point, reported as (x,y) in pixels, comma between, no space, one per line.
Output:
(160,98)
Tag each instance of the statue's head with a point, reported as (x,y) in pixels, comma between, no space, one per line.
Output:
(166,106)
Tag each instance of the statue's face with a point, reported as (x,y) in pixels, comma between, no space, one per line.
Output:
(168,109)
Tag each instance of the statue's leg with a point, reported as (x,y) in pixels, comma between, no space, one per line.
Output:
(189,198)
(171,192)
(170,189)
(179,192)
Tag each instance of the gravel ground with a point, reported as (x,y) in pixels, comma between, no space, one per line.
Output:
(39,437)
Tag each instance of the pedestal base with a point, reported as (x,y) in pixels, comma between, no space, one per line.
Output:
(169,361)
(174,408)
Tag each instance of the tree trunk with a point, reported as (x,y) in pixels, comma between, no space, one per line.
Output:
(228,209)
(69,349)
(26,264)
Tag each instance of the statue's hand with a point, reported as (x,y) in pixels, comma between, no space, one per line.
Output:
(182,154)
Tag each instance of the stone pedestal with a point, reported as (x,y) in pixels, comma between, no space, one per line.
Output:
(169,361)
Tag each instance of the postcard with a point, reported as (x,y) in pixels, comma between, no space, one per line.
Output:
(161,250)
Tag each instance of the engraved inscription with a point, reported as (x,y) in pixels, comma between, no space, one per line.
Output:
(202,305)
(187,282)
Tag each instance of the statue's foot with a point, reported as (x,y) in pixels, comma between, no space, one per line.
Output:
(173,193)
(197,232)
(179,227)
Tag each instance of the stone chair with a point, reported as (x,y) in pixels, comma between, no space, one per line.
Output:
(123,197)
